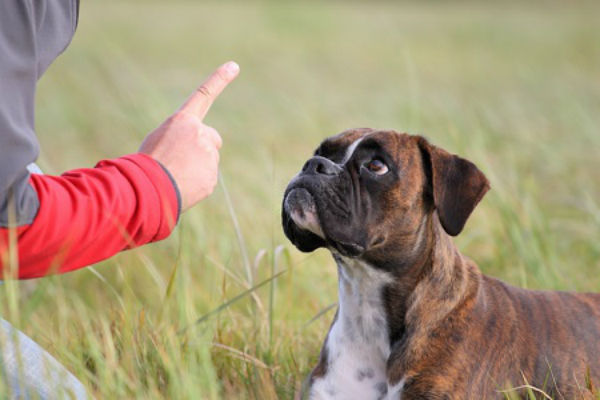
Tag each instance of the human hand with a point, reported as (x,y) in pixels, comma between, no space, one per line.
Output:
(187,147)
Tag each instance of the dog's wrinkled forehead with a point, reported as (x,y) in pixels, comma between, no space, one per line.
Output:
(339,148)
(336,147)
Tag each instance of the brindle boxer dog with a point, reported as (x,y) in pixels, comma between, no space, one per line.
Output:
(417,319)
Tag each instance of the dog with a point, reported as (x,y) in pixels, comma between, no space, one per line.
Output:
(416,319)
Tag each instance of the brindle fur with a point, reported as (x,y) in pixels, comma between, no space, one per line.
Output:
(455,333)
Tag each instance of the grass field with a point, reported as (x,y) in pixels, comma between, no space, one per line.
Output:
(514,88)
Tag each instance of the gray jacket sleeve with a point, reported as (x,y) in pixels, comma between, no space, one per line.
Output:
(32,34)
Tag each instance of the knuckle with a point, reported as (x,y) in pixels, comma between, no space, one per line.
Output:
(204,90)
(203,130)
(216,137)
(218,143)
(206,130)
(205,147)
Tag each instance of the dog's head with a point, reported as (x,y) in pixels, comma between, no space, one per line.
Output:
(365,193)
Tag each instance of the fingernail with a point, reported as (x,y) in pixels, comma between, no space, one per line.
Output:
(232,69)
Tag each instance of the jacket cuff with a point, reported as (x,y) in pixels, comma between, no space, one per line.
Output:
(166,190)
(177,192)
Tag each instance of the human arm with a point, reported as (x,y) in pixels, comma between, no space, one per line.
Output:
(87,215)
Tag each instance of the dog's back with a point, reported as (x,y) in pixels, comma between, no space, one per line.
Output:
(547,339)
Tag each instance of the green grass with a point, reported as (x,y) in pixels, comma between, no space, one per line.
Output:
(514,88)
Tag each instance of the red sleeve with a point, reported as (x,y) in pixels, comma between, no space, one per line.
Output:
(88,215)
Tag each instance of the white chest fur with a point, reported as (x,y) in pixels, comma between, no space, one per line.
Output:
(358,344)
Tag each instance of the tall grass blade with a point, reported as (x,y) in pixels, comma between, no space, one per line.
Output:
(230,302)
(238,230)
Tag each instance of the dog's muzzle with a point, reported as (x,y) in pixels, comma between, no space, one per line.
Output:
(300,206)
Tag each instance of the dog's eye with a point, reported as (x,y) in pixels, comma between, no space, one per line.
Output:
(377,166)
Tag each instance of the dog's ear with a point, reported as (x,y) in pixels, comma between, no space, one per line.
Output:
(456,185)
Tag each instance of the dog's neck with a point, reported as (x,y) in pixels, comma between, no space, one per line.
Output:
(381,310)
(373,302)
(436,271)
(417,305)
(361,313)
(357,347)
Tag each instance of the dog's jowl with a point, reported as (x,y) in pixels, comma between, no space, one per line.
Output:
(416,318)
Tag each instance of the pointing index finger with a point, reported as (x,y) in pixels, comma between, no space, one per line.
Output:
(200,101)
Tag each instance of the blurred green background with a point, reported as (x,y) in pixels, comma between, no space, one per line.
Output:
(514,87)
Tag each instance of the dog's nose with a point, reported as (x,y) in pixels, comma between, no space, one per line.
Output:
(321,166)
